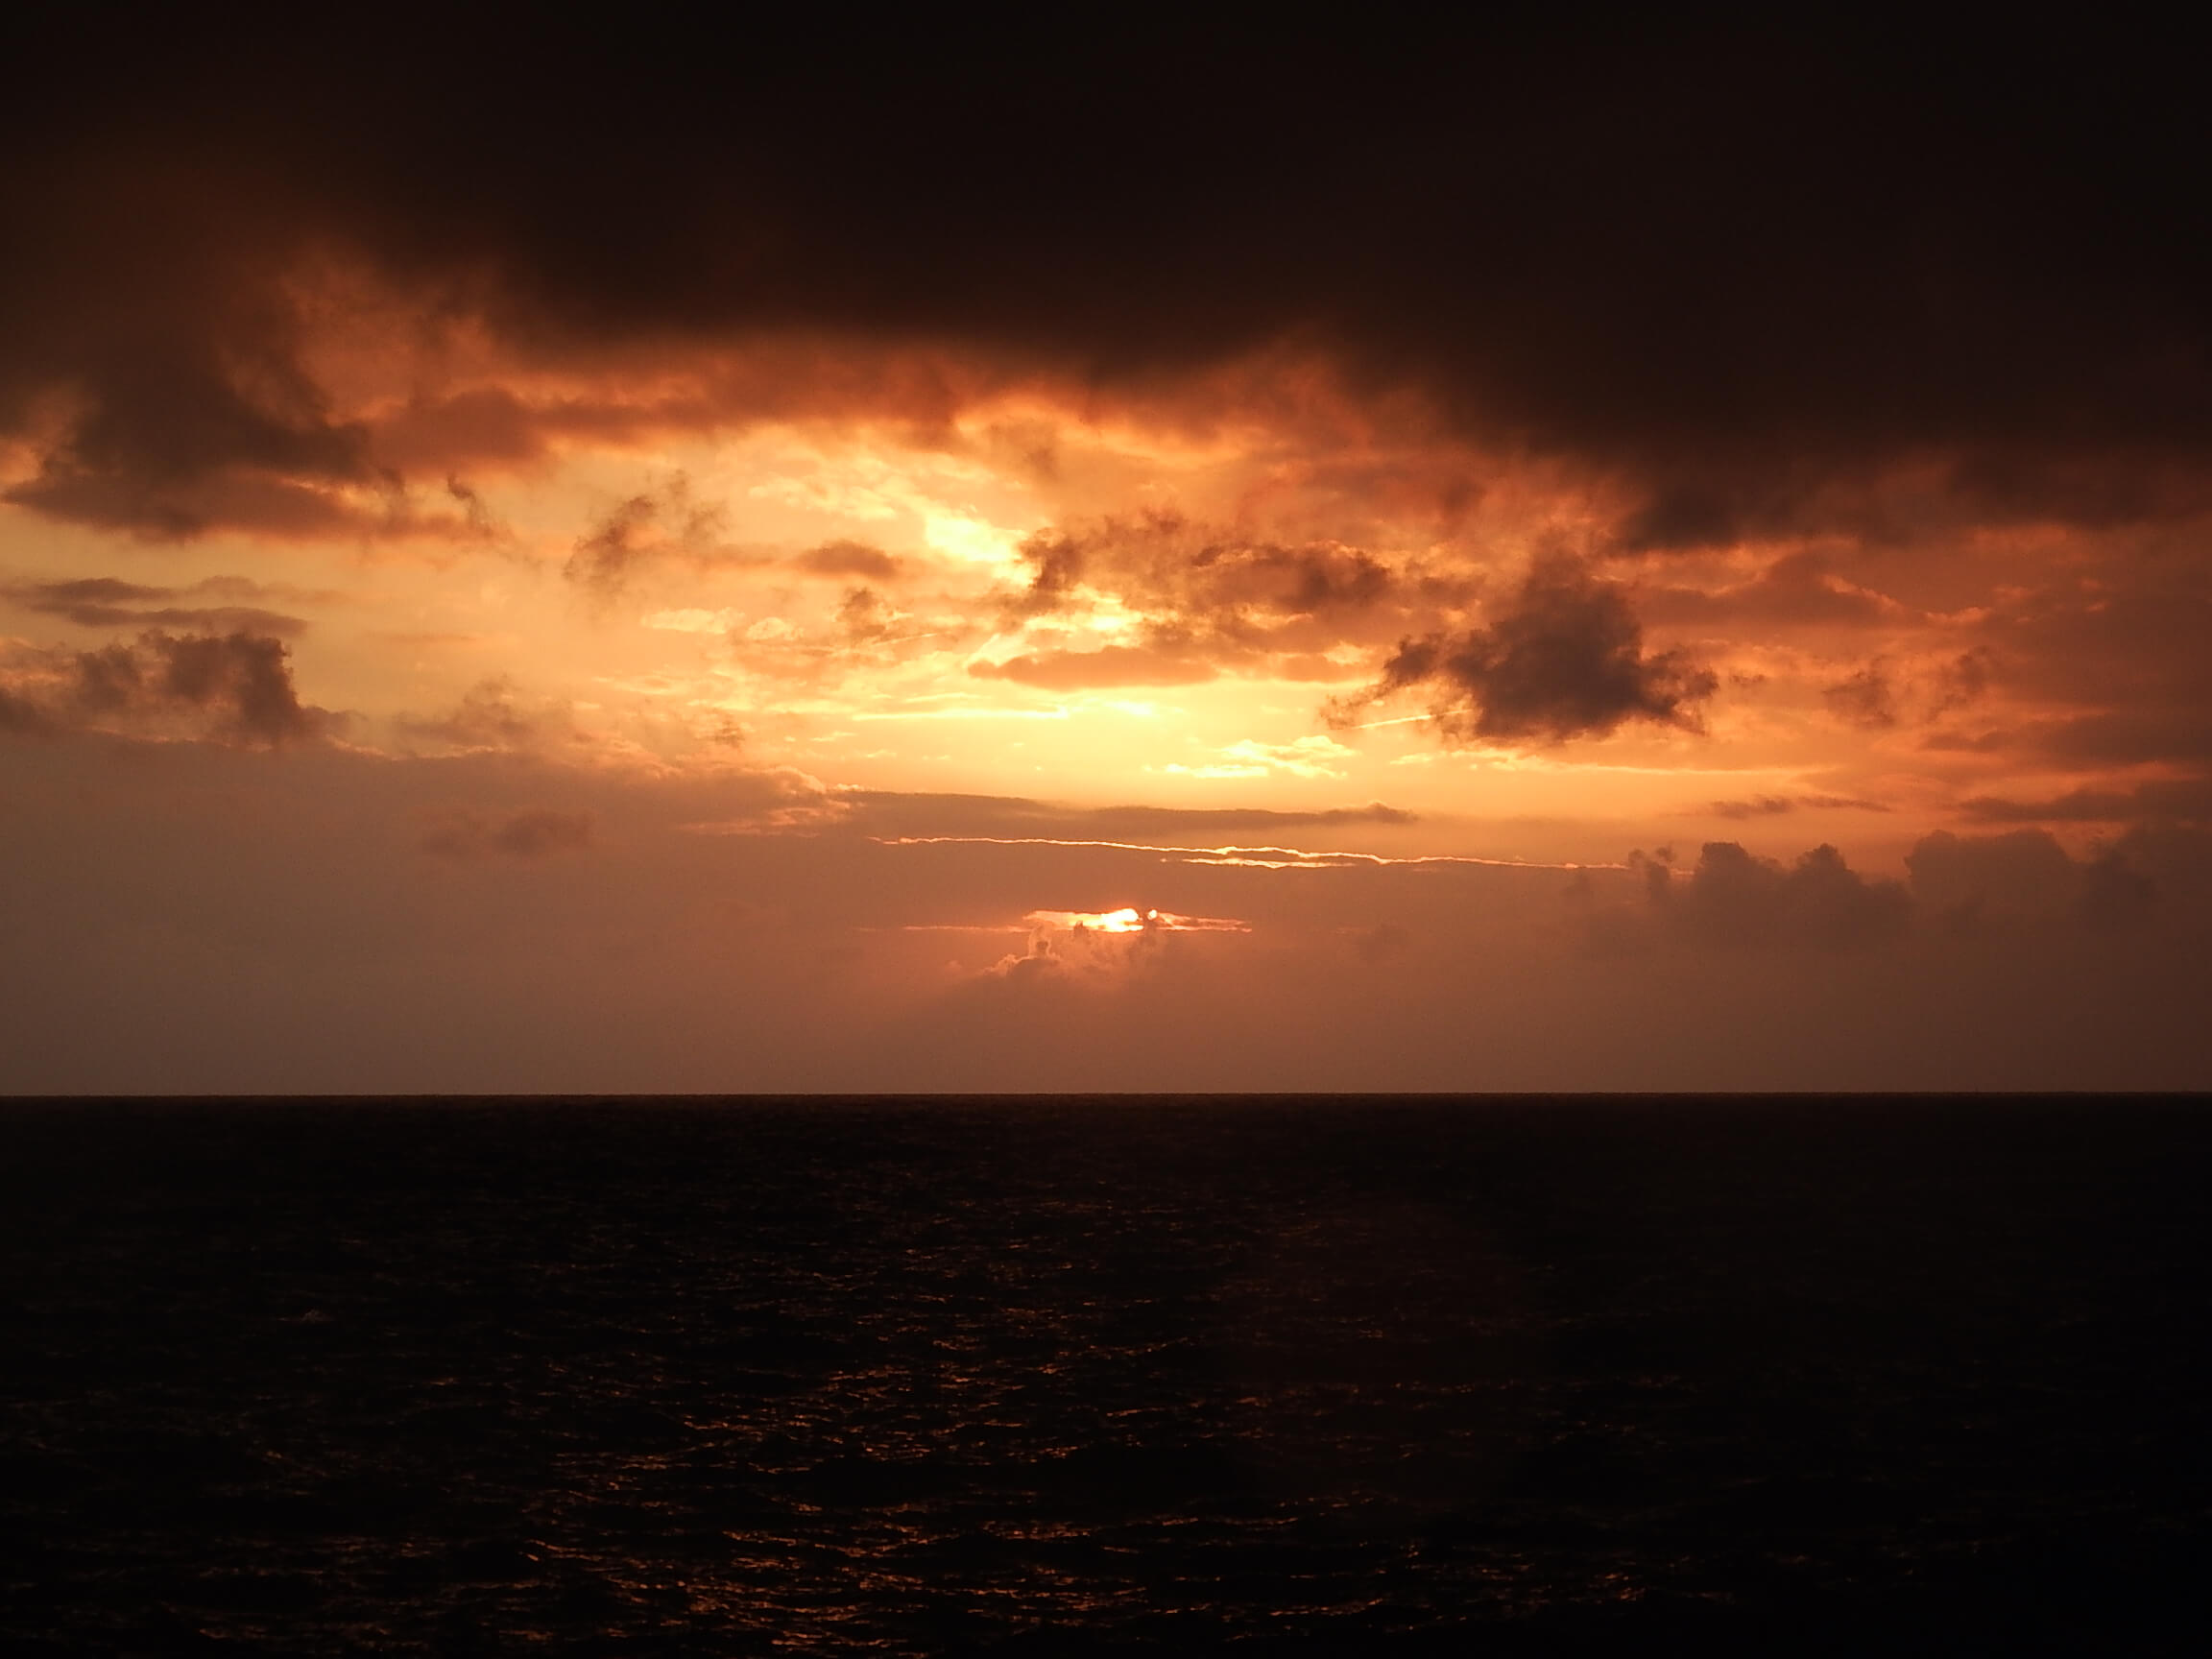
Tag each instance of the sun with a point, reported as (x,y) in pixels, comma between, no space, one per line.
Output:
(1126,920)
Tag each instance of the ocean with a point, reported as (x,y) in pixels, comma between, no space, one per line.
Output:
(1070,1375)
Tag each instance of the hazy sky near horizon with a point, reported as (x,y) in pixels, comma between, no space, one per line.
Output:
(1559,557)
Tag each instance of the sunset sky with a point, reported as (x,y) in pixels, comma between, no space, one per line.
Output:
(1582,558)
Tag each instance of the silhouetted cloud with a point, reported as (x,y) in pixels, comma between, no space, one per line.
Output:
(226,687)
(1856,360)
(1996,884)
(1865,697)
(192,407)
(106,602)
(849,559)
(2125,737)
(891,813)
(1775,806)
(1886,692)
(1757,806)
(1974,883)
(2187,800)
(1198,578)
(1564,658)
(493,715)
(665,523)
(1735,898)
(1729,263)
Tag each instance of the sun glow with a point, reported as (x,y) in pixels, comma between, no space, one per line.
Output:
(1130,919)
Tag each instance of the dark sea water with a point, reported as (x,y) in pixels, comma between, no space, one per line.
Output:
(1062,1376)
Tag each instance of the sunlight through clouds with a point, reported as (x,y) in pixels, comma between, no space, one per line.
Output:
(1085,532)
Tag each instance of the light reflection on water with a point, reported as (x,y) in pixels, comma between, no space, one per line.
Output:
(932,1378)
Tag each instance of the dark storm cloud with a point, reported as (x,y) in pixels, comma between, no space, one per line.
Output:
(175,505)
(188,404)
(1686,256)
(1964,480)
(1563,658)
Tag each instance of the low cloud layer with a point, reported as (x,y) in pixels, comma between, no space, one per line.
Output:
(2022,885)
(561,929)
(1733,899)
